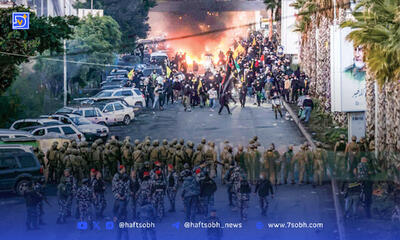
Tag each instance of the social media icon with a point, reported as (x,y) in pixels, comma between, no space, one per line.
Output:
(82,225)
(176,225)
(109,225)
(259,225)
(20,20)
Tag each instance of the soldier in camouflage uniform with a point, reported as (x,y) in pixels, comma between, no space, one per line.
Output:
(66,145)
(63,192)
(320,157)
(97,157)
(309,163)
(126,150)
(288,167)
(301,158)
(232,178)
(138,158)
(190,154)
(120,190)
(226,159)
(114,156)
(85,153)
(99,188)
(79,166)
(40,156)
(52,156)
(340,158)
(244,197)
(84,197)
(136,144)
(179,158)
(198,157)
(211,159)
(254,165)
(190,195)
(62,162)
(182,143)
(203,144)
(146,149)
(164,154)
(240,158)
(352,152)
(272,164)
(158,194)
(172,186)
(155,153)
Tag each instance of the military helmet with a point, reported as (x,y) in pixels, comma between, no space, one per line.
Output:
(212,144)
(55,143)
(127,139)
(139,146)
(73,144)
(240,147)
(203,141)
(178,146)
(226,141)
(255,138)
(190,144)
(319,144)
(137,141)
(147,142)
(62,149)
(165,142)
(181,141)
(94,145)
(174,141)
(156,143)
(251,141)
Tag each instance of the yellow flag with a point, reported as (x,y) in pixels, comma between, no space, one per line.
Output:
(239,50)
(254,41)
(168,71)
(130,74)
(200,85)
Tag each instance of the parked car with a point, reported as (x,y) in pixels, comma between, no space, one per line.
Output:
(64,110)
(117,84)
(116,111)
(119,72)
(27,123)
(64,131)
(132,96)
(92,131)
(159,58)
(15,148)
(150,68)
(113,81)
(7,133)
(93,114)
(17,169)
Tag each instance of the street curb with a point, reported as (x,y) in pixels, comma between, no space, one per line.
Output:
(335,191)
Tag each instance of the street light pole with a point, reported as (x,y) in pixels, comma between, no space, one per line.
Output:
(65,63)
(91,7)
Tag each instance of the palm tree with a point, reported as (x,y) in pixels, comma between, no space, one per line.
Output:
(375,27)
(274,6)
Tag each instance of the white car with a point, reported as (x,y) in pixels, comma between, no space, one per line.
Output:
(27,123)
(115,111)
(6,133)
(65,130)
(132,96)
(92,131)
(159,58)
(93,114)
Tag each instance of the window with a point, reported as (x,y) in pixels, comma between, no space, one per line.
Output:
(20,136)
(27,161)
(138,92)
(53,130)
(118,94)
(68,130)
(90,113)
(25,124)
(109,108)
(7,162)
(78,112)
(127,93)
(118,106)
(65,120)
(39,132)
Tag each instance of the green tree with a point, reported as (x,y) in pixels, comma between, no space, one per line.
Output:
(16,45)
(275,7)
(131,16)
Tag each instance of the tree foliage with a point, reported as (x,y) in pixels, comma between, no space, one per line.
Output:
(376,27)
(131,15)
(16,45)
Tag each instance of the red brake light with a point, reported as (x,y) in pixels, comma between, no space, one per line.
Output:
(143,95)
(41,170)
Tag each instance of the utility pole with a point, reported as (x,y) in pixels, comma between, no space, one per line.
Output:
(65,63)
(41,8)
(91,7)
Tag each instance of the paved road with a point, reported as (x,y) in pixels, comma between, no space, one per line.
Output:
(292,203)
